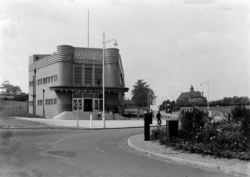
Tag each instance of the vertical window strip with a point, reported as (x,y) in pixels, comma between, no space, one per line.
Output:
(78,75)
(88,75)
(98,75)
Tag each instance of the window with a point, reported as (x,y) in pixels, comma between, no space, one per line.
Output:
(88,75)
(98,75)
(51,78)
(41,102)
(78,75)
(55,77)
(31,103)
(51,101)
(55,100)
(44,80)
(48,79)
(31,83)
(39,82)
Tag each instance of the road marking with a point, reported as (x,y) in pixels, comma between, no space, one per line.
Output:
(62,139)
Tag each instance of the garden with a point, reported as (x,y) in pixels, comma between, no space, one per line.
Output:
(199,134)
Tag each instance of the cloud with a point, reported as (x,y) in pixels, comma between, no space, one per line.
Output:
(198,2)
(225,8)
(209,42)
(9,28)
(9,31)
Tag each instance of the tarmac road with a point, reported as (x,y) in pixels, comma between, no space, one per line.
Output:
(77,153)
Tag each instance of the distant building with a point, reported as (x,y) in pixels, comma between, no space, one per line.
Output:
(128,104)
(73,76)
(191,97)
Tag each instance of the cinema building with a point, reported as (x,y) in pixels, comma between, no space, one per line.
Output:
(74,74)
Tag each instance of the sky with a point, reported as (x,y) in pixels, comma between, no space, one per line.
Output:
(170,44)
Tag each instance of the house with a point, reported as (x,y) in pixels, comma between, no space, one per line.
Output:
(195,97)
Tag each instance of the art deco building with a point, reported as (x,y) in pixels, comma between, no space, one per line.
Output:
(74,74)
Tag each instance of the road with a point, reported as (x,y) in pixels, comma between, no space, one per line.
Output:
(77,153)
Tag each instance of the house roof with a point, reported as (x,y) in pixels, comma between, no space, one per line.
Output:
(183,96)
(186,95)
(192,88)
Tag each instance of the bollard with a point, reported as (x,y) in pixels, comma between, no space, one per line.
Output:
(77,117)
(147,122)
(172,128)
(90,121)
(167,128)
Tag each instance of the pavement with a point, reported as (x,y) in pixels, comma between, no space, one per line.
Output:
(98,124)
(227,166)
(132,123)
(87,124)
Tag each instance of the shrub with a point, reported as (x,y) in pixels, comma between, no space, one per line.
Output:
(221,139)
(241,115)
(192,122)
(239,112)
(158,133)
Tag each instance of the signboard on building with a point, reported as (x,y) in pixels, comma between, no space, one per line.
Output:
(88,55)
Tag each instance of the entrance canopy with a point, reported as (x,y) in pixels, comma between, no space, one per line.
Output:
(88,89)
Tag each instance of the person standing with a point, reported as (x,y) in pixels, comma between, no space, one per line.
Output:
(113,112)
(99,114)
(229,117)
(158,116)
(108,109)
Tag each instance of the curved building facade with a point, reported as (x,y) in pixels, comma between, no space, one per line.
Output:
(74,75)
(111,67)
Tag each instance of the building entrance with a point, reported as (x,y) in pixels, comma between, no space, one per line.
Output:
(97,104)
(88,105)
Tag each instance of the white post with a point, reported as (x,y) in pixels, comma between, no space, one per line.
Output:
(208,95)
(165,103)
(77,115)
(103,85)
(90,121)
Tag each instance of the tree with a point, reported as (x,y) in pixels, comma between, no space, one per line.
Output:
(9,88)
(141,93)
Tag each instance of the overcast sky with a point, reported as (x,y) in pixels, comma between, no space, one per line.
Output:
(170,44)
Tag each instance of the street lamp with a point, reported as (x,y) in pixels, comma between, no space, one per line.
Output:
(165,103)
(207,93)
(103,78)
(43,104)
